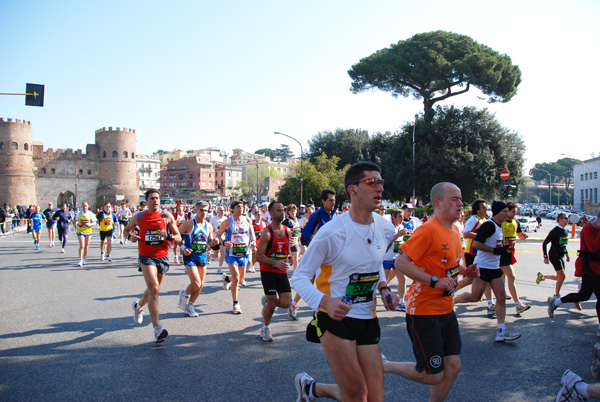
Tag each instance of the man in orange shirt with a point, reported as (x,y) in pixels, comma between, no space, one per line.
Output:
(432,258)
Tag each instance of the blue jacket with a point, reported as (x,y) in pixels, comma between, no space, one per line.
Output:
(316,220)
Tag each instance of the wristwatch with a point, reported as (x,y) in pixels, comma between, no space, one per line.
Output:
(434,281)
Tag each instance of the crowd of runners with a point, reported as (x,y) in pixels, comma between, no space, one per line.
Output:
(337,263)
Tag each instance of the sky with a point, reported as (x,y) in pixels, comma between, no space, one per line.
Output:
(197,74)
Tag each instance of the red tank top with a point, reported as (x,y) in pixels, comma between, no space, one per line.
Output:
(150,243)
(278,250)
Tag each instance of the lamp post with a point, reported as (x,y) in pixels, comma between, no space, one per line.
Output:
(413,144)
(256,160)
(301,153)
(549,183)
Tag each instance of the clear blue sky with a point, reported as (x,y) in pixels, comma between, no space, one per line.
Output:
(194,74)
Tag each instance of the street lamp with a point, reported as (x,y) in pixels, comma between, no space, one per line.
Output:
(301,153)
(413,144)
(549,183)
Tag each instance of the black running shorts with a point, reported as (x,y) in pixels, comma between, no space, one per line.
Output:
(364,332)
(274,283)
(433,337)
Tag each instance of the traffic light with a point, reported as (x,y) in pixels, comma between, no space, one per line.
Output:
(503,192)
(511,191)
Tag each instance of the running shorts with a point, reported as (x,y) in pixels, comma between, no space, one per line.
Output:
(274,283)
(161,264)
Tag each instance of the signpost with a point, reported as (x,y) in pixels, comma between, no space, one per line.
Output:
(505,174)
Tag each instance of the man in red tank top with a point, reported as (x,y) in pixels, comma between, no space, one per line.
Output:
(273,254)
(154,255)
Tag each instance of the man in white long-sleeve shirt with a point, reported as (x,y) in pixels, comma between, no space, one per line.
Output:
(345,257)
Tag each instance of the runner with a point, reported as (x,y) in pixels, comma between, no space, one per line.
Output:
(238,242)
(197,235)
(274,257)
(511,229)
(257,225)
(489,244)
(432,258)
(124,216)
(50,223)
(64,219)
(36,218)
(558,239)
(587,266)
(85,220)
(218,250)
(154,256)
(180,216)
(107,221)
(292,222)
(346,257)
(392,253)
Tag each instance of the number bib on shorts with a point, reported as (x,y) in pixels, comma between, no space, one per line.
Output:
(361,287)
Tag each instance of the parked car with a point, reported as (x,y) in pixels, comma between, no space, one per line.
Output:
(528,224)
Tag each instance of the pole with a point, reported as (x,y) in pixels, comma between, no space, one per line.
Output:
(413,150)
(301,157)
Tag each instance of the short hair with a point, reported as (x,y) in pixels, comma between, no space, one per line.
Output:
(151,191)
(511,205)
(325,194)
(142,203)
(290,207)
(357,171)
(272,205)
(235,203)
(561,215)
(395,212)
(201,204)
(476,205)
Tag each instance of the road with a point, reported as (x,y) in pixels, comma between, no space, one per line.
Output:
(67,334)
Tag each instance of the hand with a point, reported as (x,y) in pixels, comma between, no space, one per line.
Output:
(501,251)
(390,300)
(228,244)
(472,271)
(568,258)
(546,260)
(187,252)
(134,238)
(162,233)
(446,283)
(335,308)
(525,235)
(281,265)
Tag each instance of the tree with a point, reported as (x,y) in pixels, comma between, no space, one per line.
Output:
(466,146)
(323,173)
(434,66)
(283,153)
(267,152)
(351,145)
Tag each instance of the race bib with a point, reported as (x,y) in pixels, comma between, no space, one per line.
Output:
(240,245)
(510,242)
(153,238)
(198,246)
(451,273)
(257,234)
(397,245)
(361,287)
(406,237)
(563,241)
(278,256)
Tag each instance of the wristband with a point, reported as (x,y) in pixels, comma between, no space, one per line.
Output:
(169,237)
(384,288)
(128,235)
(182,247)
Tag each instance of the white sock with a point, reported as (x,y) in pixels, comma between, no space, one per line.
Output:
(557,302)
(294,303)
(265,326)
(490,303)
(582,389)
(501,328)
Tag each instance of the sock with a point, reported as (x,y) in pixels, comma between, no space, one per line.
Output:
(490,303)
(582,388)
(501,328)
(311,390)
(557,302)
(265,326)
(294,303)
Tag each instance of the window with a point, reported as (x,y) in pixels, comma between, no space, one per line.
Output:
(89,171)
(115,154)
(595,175)
(14,145)
(80,172)
(53,171)
(191,175)
(582,177)
(172,177)
(43,170)
(210,175)
(26,147)
(586,176)
(581,193)
(596,195)
(182,176)
(203,174)
(132,155)
(2,145)
(586,194)
(104,154)
(125,155)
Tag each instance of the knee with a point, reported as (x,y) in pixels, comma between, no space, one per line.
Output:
(432,379)
(453,368)
(153,291)
(271,302)
(197,284)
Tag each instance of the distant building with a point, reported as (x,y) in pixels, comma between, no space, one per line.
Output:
(148,168)
(586,184)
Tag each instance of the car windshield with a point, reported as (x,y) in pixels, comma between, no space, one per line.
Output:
(523,220)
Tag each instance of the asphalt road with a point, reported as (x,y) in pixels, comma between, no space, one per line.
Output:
(67,334)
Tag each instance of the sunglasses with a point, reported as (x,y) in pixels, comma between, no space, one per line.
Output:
(373,182)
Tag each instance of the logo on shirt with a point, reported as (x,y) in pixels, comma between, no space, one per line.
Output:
(445,246)
(435,361)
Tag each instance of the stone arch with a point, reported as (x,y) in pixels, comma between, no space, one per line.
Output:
(14,146)
(26,147)
(115,154)
(124,154)
(65,197)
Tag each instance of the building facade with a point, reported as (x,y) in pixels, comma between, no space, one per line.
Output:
(585,184)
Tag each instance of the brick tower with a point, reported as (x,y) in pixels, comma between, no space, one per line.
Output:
(17,179)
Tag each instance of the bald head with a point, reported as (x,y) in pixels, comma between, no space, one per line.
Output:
(438,190)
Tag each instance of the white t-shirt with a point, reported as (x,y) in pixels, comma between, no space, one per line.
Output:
(345,258)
